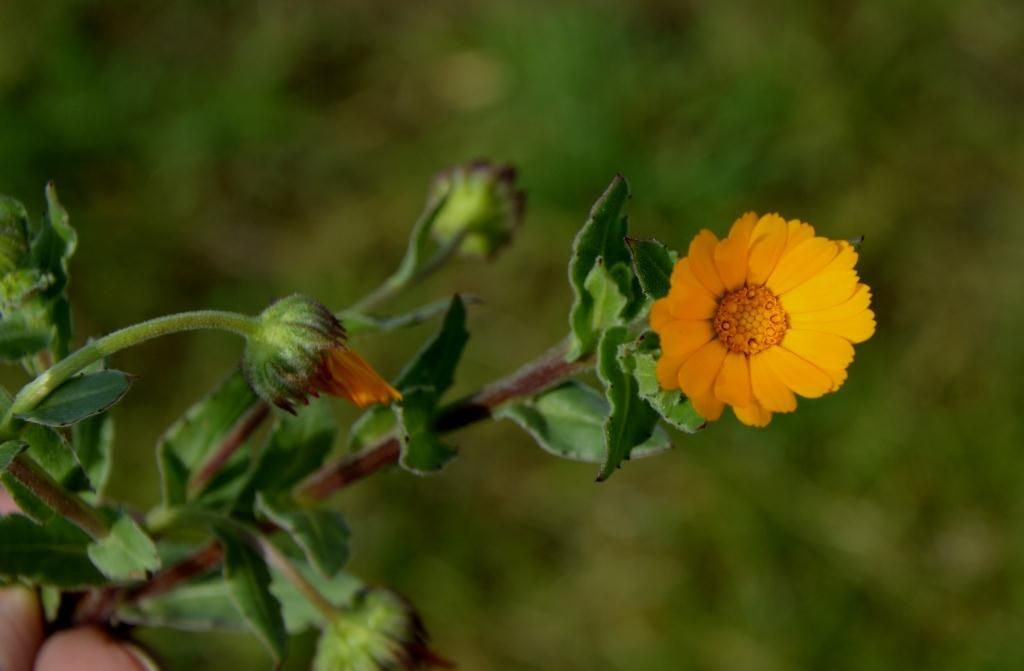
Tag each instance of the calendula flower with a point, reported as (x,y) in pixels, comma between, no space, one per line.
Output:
(299,350)
(768,313)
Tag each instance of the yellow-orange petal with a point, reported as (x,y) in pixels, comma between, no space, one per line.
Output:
(851,307)
(838,377)
(697,375)
(708,405)
(688,299)
(823,291)
(702,262)
(753,414)
(768,389)
(800,263)
(797,373)
(731,254)
(824,350)
(661,314)
(798,232)
(352,378)
(733,382)
(682,337)
(667,371)
(856,329)
(767,241)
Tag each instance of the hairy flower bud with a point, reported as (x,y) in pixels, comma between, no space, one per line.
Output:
(298,350)
(379,632)
(483,206)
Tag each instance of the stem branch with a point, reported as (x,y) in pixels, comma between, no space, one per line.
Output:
(30,474)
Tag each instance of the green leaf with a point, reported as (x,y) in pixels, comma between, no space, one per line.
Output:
(21,336)
(422,449)
(189,442)
(248,582)
(50,450)
(373,425)
(299,614)
(631,420)
(606,293)
(199,606)
(434,365)
(50,554)
(54,244)
(296,447)
(80,397)
(322,534)
(92,440)
(652,263)
(673,407)
(568,421)
(9,450)
(602,236)
(126,553)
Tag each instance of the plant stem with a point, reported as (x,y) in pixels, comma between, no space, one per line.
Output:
(244,428)
(277,559)
(30,474)
(543,373)
(37,390)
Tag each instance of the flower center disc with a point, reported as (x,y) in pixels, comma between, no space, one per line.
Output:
(750,320)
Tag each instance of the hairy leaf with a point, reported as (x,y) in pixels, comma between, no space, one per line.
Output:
(568,421)
(434,365)
(80,397)
(653,265)
(54,553)
(21,336)
(422,449)
(192,439)
(673,407)
(631,420)
(126,553)
(92,440)
(322,534)
(248,581)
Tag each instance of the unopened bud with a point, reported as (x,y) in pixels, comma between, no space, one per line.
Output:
(299,350)
(380,631)
(482,205)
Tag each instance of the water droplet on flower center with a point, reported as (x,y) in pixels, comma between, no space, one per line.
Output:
(750,320)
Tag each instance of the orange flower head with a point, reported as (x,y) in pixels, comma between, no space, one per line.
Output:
(300,350)
(752,321)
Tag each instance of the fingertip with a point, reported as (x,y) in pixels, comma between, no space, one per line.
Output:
(86,649)
(21,628)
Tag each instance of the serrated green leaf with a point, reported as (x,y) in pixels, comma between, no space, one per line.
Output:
(422,449)
(80,397)
(653,265)
(434,365)
(568,421)
(187,444)
(92,440)
(322,534)
(631,420)
(54,243)
(199,606)
(126,552)
(299,614)
(50,450)
(296,446)
(607,295)
(248,581)
(673,407)
(21,336)
(603,235)
(51,554)
(9,450)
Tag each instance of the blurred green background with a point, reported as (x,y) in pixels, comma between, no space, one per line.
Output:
(223,154)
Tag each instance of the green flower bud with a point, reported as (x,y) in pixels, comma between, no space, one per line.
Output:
(298,350)
(482,205)
(14,243)
(379,632)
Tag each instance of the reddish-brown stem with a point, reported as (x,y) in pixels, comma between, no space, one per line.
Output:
(244,428)
(535,377)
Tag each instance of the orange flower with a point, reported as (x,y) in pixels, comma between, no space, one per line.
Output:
(769,312)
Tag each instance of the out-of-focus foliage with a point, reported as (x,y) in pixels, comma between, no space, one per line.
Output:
(216,155)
